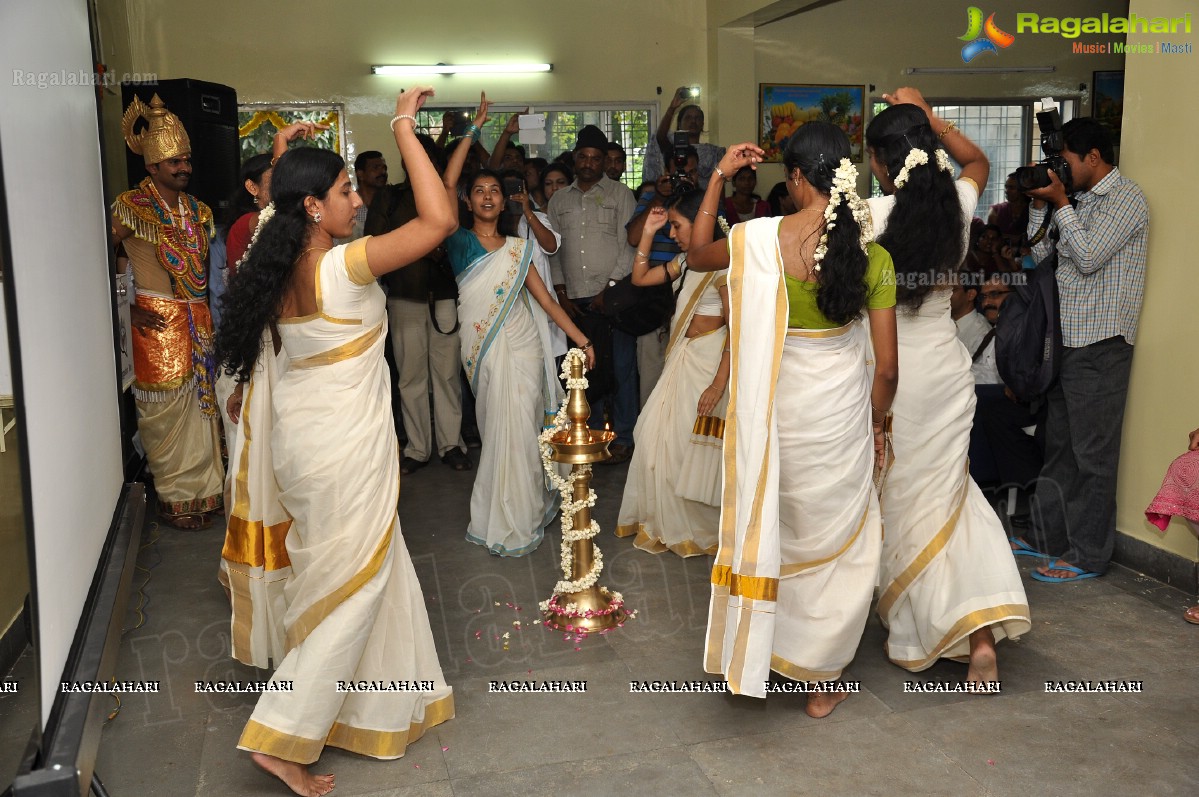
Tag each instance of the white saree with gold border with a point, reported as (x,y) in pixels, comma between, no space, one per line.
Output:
(947,569)
(355,611)
(672,491)
(800,527)
(507,355)
(254,564)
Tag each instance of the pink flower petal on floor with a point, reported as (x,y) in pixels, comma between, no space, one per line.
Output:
(445,747)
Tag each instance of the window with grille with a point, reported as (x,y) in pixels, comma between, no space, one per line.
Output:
(629,125)
(1006,132)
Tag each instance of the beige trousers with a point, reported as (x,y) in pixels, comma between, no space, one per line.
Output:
(426,358)
(651,355)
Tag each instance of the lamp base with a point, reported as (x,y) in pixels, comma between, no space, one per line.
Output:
(591,610)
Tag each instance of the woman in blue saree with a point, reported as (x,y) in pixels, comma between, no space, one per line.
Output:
(505,310)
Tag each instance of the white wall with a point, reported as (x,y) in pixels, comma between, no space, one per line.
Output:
(57,219)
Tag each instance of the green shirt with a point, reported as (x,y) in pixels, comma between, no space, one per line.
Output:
(802,312)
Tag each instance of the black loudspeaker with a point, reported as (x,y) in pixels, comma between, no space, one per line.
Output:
(208,112)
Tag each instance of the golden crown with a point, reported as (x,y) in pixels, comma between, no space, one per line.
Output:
(163,139)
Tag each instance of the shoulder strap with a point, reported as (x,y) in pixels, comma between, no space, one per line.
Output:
(983,346)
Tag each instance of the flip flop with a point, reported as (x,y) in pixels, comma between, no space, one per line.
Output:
(1024,549)
(1191,615)
(1079,574)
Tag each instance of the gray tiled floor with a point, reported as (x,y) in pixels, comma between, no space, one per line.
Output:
(1021,743)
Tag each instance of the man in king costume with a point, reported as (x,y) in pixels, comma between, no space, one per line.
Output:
(165,232)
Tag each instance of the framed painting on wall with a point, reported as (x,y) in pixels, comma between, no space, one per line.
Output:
(785,107)
(1107,101)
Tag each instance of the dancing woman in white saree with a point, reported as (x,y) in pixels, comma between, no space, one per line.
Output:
(672,492)
(303,329)
(800,531)
(507,352)
(949,585)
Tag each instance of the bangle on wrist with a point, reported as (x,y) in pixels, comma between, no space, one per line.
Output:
(716,170)
(706,213)
(400,116)
(642,255)
(951,125)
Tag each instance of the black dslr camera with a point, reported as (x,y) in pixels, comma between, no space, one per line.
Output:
(1052,144)
(681,148)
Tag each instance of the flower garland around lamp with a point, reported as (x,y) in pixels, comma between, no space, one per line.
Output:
(579,605)
(845,188)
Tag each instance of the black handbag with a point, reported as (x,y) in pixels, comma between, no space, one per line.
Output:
(638,310)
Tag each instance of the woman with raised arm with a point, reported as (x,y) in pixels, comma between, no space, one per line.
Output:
(950,588)
(316,468)
(505,310)
(801,530)
(672,493)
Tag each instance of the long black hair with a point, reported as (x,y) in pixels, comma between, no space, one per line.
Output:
(925,230)
(816,149)
(256,291)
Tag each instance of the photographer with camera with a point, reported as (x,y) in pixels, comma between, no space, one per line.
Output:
(690,125)
(1101,249)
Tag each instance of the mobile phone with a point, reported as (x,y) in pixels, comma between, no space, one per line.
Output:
(460,122)
(513,185)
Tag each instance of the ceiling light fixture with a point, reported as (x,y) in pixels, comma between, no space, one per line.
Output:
(459,69)
(975,70)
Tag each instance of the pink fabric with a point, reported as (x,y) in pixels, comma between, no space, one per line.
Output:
(1179,494)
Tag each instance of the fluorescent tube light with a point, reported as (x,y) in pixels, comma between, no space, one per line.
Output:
(458,69)
(975,70)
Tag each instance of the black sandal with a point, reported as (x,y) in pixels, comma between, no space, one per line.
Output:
(457,460)
(409,465)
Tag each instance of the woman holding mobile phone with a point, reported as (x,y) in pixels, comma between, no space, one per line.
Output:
(505,310)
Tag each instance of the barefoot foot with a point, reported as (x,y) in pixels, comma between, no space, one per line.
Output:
(296,776)
(821,704)
(984,667)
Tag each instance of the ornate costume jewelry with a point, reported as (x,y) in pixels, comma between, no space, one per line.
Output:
(179,236)
(316,217)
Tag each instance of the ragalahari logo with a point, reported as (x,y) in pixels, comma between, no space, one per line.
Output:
(982,37)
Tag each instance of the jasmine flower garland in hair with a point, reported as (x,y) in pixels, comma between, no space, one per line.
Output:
(943,161)
(916,157)
(845,187)
(264,216)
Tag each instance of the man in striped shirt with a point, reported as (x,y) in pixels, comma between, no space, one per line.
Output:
(1101,277)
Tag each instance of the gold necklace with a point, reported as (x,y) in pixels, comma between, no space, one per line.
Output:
(310,249)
